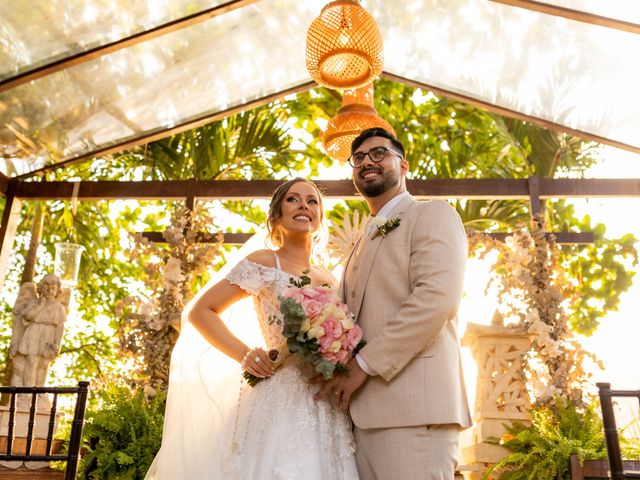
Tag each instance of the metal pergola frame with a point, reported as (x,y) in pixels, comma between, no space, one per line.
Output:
(124,42)
(571,14)
(187,124)
(205,119)
(204,15)
(23,188)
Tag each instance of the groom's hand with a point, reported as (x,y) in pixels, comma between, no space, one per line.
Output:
(339,389)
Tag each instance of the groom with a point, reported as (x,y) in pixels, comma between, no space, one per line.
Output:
(403,282)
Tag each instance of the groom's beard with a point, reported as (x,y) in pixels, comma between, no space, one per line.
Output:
(386,181)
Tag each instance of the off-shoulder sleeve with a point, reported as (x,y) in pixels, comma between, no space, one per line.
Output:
(251,276)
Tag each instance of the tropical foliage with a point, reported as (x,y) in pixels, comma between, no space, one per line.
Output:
(542,449)
(122,436)
(445,138)
(252,144)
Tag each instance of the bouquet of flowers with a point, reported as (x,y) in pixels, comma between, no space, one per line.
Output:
(318,327)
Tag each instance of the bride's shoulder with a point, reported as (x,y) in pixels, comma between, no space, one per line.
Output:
(264,257)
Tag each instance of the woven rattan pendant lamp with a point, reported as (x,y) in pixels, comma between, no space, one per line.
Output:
(355,115)
(344,46)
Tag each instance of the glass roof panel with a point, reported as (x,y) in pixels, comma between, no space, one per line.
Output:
(567,72)
(38,32)
(223,62)
(562,71)
(625,10)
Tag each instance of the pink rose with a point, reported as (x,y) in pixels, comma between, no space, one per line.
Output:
(319,294)
(308,292)
(293,293)
(332,328)
(352,339)
(341,356)
(325,343)
(312,307)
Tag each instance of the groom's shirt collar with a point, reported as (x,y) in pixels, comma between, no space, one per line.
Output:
(388,207)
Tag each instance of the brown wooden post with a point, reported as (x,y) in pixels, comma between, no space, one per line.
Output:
(533,185)
(8,227)
(192,188)
(4,184)
(36,236)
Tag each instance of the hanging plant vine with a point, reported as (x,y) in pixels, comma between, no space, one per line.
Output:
(534,293)
(151,323)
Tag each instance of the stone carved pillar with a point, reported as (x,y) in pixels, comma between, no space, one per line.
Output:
(501,395)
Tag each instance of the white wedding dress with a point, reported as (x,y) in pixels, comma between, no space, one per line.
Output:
(273,431)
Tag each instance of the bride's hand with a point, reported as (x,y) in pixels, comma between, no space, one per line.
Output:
(257,363)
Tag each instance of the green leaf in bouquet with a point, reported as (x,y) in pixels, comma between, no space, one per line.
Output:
(293,345)
(252,380)
(301,281)
(326,369)
(293,315)
(361,344)
(310,347)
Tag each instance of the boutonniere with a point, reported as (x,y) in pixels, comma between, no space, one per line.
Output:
(384,225)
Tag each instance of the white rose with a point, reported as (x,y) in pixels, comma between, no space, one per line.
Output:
(306,325)
(315,332)
(379,220)
(347,323)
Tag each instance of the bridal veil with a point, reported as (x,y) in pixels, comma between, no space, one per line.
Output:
(204,388)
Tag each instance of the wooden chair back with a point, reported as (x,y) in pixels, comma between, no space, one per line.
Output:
(21,449)
(596,468)
(618,469)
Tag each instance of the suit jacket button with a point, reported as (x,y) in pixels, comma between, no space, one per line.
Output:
(353,294)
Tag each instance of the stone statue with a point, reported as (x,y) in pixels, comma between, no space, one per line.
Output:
(38,324)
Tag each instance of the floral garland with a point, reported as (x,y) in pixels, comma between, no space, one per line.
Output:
(151,322)
(533,293)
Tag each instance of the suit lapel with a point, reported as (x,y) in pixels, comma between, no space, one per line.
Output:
(368,254)
(343,283)
(365,262)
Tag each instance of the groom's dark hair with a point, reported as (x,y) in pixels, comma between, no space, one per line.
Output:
(376,132)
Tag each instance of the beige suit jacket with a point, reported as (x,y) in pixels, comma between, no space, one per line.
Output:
(404,289)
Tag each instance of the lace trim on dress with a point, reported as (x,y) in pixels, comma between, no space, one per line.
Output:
(252,277)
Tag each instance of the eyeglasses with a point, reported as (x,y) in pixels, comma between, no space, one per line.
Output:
(376,154)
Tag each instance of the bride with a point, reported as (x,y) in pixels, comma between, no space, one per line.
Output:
(216,426)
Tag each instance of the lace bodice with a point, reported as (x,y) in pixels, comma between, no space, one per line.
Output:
(264,284)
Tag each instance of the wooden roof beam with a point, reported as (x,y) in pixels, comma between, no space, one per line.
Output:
(490,107)
(161,133)
(571,14)
(237,238)
(4,184)
(499,188)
